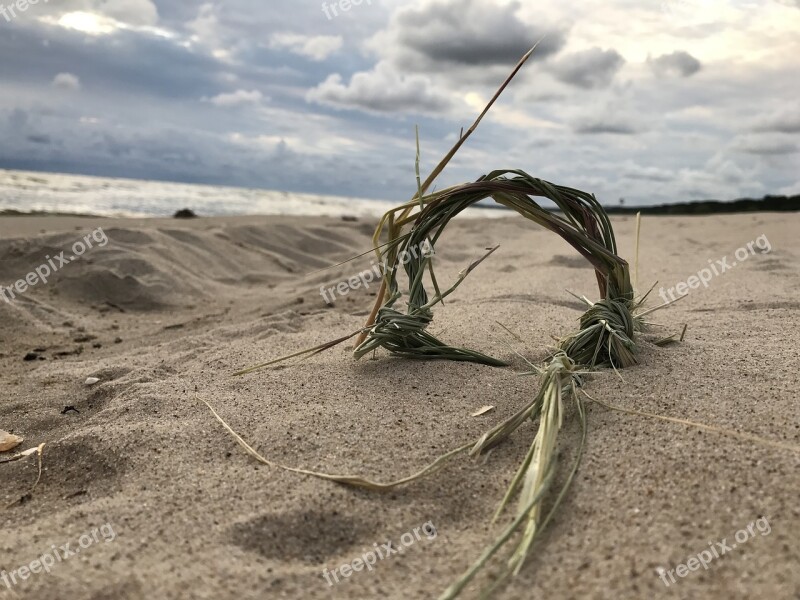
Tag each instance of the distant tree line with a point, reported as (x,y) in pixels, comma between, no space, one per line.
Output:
(707,207)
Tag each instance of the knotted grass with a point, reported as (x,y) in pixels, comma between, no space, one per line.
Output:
(605,338)
(606,330)
(399,321)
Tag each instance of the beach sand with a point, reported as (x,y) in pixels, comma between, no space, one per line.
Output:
(175,307)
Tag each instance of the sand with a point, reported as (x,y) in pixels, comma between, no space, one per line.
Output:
(167,310)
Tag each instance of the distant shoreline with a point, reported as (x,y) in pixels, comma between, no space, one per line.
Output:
(11,212)
(711,207)
(700,207)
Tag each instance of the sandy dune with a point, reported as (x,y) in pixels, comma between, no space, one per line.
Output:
(167,310)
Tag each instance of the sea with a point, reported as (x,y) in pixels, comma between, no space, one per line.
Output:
(78,194)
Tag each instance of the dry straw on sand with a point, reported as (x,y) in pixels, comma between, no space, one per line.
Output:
(7,443)
(606,337)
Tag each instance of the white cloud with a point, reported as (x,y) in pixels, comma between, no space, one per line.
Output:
(317,47)
(100,16)
(381,90)
(67,81)
(766,144)
(207,31)
(131,12)
(792,189)
(88,22)
(237,98)
(205,25)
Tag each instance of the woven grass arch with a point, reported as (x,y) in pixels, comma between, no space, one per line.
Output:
(605,337)
(582,222)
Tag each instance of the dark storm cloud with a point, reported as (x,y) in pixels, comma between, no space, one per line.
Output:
(472,32)
(767,144)
(783,121)
(125,62)
(588,69)
(428,51)
(678,63)
(39,139)
(593,128)
(597,126)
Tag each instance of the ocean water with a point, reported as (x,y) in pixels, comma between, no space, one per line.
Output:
(56,192)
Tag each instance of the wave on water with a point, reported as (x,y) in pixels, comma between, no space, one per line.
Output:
(61,193)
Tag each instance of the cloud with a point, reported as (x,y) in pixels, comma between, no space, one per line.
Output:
(205,28)
(766,144)
(381,90)
(461,43)
(793,189)
(142,66)
(613,119)
(67,81)
(433,52)
(785,120)
(39,139)
(468,32)
(237,98)
(595,126)
(588,69)
(632,170)
(318,47)
(677,64)
(133,12)
(137,13)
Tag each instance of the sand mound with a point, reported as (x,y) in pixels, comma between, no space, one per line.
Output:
(171,266)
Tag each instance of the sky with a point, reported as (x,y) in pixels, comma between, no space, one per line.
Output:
(653,102)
